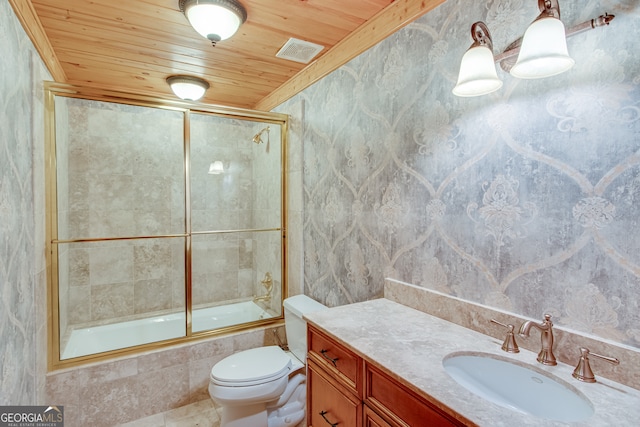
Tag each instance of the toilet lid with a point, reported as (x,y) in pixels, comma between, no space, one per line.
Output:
(249,366)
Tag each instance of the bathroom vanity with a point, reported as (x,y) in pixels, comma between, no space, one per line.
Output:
(380,363)
(348,389)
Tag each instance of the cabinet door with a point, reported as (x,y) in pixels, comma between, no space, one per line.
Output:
(328,402)
(371,419)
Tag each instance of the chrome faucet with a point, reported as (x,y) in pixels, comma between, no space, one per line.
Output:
(545,356)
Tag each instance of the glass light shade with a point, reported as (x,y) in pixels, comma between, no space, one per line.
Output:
(477,73)
(213,21)
(216,168)
(544,51)
(187,87)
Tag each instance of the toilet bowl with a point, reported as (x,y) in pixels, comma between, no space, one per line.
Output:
(266,386)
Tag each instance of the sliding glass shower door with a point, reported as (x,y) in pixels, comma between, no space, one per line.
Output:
(120,200)
(165,222)
(236,218)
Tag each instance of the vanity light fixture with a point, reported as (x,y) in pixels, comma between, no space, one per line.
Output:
(188,87)
(542,52)
(216,168)
(477,70)
(215,20)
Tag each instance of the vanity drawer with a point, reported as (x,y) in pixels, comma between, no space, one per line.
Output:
(402,407)
(335,358)
(328,402)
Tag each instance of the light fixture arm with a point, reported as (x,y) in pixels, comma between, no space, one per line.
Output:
(481,36)
(514,48)
(548,9)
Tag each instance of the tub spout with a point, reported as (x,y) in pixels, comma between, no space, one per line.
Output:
(265,298)
(545,356)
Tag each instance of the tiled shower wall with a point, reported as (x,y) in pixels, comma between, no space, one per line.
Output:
(525,200)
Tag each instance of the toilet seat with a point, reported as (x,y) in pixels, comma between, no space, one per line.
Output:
(252,367)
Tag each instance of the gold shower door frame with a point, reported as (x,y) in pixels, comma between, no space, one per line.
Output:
(53,89)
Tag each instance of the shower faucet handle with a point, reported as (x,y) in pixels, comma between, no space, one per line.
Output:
(267,282)
(509,345)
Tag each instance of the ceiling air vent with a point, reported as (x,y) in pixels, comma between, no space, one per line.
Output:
(299,51)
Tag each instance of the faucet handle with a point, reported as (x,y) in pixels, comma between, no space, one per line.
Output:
(583,371)
(509,345)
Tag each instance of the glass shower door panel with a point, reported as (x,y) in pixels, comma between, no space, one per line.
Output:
(236,278)
(236,183)
(120,170)
(118,294)
(267,180)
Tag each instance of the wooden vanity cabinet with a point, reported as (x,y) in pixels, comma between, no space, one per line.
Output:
(372,419)
(334,383)
(345,390)
(329,403)
(399,406)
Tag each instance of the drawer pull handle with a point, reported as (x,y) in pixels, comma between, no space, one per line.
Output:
(332,360)
(323,413)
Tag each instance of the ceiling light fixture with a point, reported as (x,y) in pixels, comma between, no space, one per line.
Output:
(542,52)
(216,168)
(215,20)
(188,87)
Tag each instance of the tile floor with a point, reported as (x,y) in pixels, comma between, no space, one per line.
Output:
(199,414)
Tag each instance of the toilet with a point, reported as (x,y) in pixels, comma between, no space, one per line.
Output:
(266,386)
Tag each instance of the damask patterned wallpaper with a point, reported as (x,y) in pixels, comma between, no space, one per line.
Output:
(524,200)
(22,264)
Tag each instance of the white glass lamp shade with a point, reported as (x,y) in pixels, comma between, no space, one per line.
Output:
(477,73)
(214,20)
(216,168)
(544,51)
(187,87)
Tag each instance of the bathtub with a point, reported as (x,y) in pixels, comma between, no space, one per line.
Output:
(97,339)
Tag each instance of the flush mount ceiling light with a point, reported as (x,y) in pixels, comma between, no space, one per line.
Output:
(215,20)
(188,87)
(542,52)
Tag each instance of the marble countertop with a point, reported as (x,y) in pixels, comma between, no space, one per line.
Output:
(410,345)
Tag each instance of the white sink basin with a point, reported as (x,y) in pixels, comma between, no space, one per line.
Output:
(517,386)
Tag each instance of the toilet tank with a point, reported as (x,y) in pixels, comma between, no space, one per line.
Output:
(296,328)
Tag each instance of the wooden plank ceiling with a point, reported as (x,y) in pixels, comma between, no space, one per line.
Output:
(134,45)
